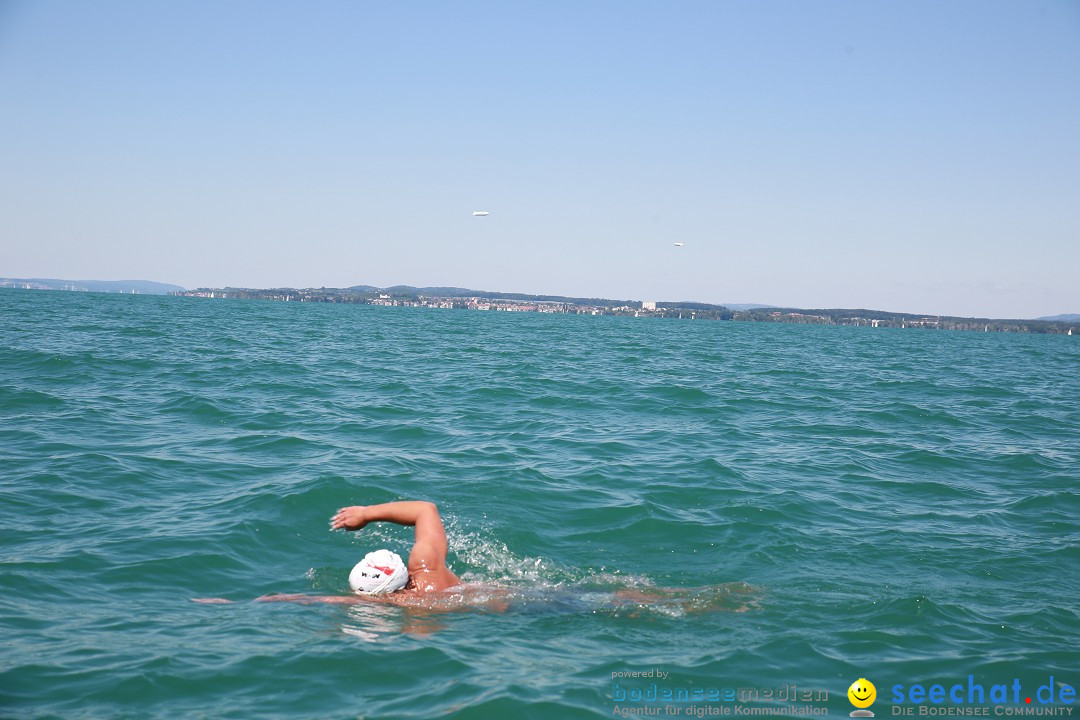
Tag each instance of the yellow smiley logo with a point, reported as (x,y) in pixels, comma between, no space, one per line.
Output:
(862,693)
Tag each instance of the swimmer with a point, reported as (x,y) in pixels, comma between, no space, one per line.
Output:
(426,572)
(382,576)
(426,581)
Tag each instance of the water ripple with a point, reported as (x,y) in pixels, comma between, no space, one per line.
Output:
(833,503)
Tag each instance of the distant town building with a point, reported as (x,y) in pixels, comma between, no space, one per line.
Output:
(648,304)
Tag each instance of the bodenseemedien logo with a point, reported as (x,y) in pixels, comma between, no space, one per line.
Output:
(862,695)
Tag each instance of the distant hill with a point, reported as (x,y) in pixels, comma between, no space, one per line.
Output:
(142,287)
(456,292)
(747,306)
(438,291)
(1068,317)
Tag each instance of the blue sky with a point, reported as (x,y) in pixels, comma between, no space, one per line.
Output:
(906,156)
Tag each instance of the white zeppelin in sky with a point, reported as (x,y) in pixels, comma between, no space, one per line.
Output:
(679,244)
(480,213)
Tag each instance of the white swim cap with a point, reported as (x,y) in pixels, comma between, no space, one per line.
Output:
(379,572)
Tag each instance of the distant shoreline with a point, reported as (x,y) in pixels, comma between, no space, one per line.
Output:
(465,299)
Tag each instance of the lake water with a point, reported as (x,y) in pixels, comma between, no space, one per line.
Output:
(835,503)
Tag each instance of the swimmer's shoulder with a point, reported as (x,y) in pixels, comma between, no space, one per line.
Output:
(428,581)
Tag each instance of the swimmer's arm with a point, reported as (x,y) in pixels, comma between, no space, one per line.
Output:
(429,546)
(423,515)
(337,599)
(294,597)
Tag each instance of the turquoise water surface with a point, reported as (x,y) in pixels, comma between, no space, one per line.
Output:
(834,503)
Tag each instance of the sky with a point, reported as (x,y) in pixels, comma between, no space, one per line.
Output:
(905,156)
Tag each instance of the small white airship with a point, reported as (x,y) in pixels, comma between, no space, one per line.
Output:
(679,244)
(480,213)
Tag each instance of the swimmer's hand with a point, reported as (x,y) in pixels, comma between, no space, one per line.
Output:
(349,518)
